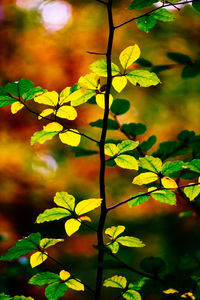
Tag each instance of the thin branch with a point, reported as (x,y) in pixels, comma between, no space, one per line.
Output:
(149,12)
(148,193)
(96,53)
(103,2)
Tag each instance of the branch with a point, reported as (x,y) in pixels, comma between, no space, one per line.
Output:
(148,193)
(149,12)
(101,1)
(96,53)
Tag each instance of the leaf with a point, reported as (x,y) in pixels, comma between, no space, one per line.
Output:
(194,165)
(160,68)
(80,96)
(151,163)
(55,290)
(119,83)
(4,297)
(126,162)
(18,88)
(112,124)
(185,214)
(120,106)
(89,81)
(127,145)
(146,23)
(53,126)
(129,55)
(22,298)
(139,200)
(130,241)
(52,214)
(67,112)
(169,183)
(163,15)
(71,226)
(45,243)
(70,137)
(110,149)
(83,152)
(114,231)
(48,98)
(85,218)
(143,62)
(23,246)
(87,205)
(16,106)
(42,136)
(43,278)
(114,247)
(153,265)
(99,67)
(115,281)
(134,129)
(38,258)
(75,285)
(165,196)
(139,4)
(196,5)
(65,200)
(170,167)
(192,191)
(148,144)
(190,71)
(5,99)
(143,78)
(145,178)
(64,275)
(64,95)
(45,113)
(170,291)
(179,58)
(137,285)
(33,92)
(132,295)
(100,100)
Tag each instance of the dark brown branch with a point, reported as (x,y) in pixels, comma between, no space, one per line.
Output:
(95,53)
(103,2)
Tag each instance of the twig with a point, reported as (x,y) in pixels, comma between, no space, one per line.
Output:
(101,1)
(96,53)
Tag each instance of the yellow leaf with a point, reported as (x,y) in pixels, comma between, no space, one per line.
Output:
(64,96)
(87,205)
(170,291)
(188,295)
(129,56)
(67,112)
(75,284)
(151,189)
(49,98)
(145,178)
(54,126)
(100,100)
(64,275)
(71,138)
(169,183)
(110,149)
(89,81)
(16,106)
(45,113)
(85,218)
(38,258)
(119,83)
(71,226)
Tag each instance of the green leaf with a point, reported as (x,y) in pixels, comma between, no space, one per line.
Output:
(196,5)
(23,246)
(137,285)
(170,149)
(194,165)
(99,67)
(81,96)
(126,162)
(52,214)
(139,4)
(143,62)
(114,231)
(148,144)
(153,265)
(186,214)
(163,15)
(160,68)
(115,281)
(112,124)
(19,88)
(143,78)
(171,167)
(79,151)
(190,71)
(4,297)
(5,99)
(132,295)
(127,145)
(139,200)
(75,285)
(151,163)
(42,136)
(134,129)
(55,290)
(192,191)
(180,58)
(130,241)
(65,200)
(22,298)
(146,23)
(43,278)
(114,247)
(45,243)
(33,92)
(165,196)
(120,106)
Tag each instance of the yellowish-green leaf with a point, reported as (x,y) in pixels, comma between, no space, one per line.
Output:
(111,149)
(126,162)
(87,205)
(71,138)
(42,136)
(116,281)
(49,98)
(64,275)
(132,295)
(100,100)
(169,183)
(64,96)
(65,200)
(54,126)
(89,81)
(99,67)
(67,112)
(45,243)
(192,191)
(130,241)
(127,145)
(119,83)
(80,96)
(16,106)
(53,214)
(75,285)
(114,231)
(143,78)
(170,291)
(71,226)
(114,247)
(145,178)
(129,55)
(45,113)
(164,196)
(151,163)
(37,258)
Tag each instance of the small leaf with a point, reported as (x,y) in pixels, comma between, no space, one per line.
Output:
(99,67)
(120,106)
(129,55)
(151,163)
(192,191)
(71,226)
(64,95)
(119,83)
(148,144)
(130,241)
(75,285)
(85,218)
(64,275)
(126,162)
(143,78)
(21,298)
(196,5)
(43,278)
(163,15)
(114,231)
(116,281)
(65,200)
(70,137)
(42,136)
(145,178)
(37,258)
(179,58)
(169,183)
(134,129)
(139,4)
(89,81)
(114,247)
(146,23)
(165,196)
(80,96)
(52,214)
(100,100)
(33,92)
(49,98)
(126,145)
(139,200)
(170,291)
(53,126)
(45,113)
(55,290)
(194,165)
(79,151)
(170,167)
(112,124)
(132,295)
(87,205)
(16,106)
(67,112)
(45,243)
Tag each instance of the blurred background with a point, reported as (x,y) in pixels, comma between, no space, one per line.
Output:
(47,43)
